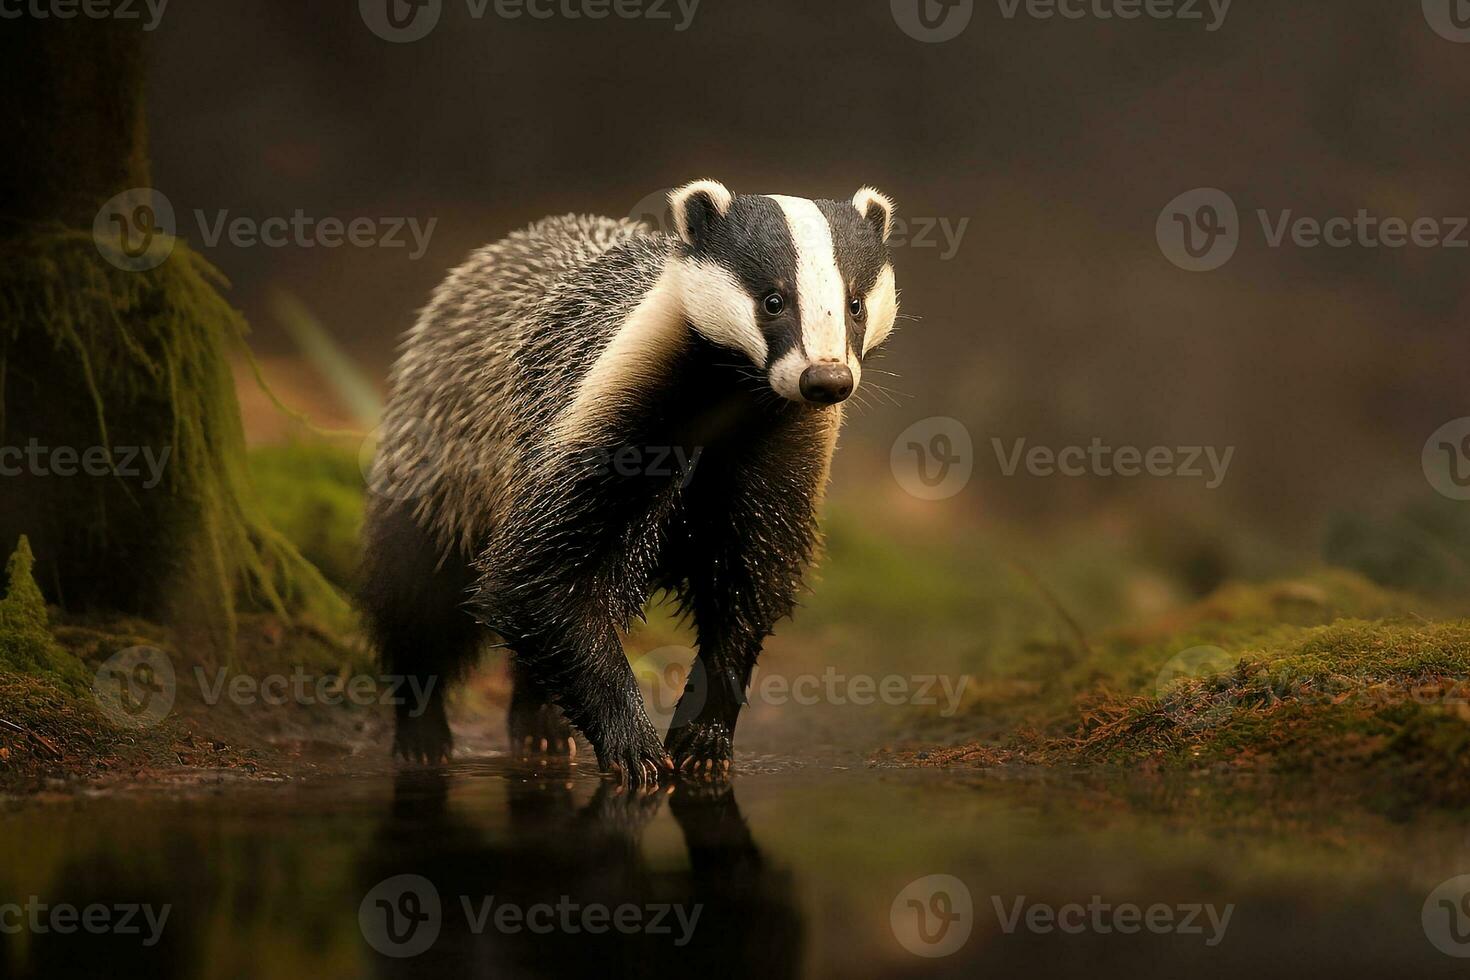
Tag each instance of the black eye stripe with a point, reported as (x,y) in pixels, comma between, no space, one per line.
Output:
(754,243)
(859,254)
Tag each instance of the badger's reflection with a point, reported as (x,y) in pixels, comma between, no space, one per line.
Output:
(560,887)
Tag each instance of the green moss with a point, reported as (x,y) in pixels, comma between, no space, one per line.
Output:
(26,643)
(1326,676)
(313,494)
(97,355)
(1245,620)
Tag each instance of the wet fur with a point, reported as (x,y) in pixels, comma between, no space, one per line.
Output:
(483,519)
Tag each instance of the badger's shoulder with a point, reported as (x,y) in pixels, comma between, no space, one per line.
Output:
(528,264)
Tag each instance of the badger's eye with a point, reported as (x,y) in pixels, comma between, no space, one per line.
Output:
(773,304)
(856,308)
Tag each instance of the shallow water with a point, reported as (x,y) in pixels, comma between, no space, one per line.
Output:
(797,870)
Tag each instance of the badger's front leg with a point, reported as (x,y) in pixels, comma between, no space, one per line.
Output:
(733,621)
(536,723)
(566,645)
(752,529)
(701,739)
(576,655)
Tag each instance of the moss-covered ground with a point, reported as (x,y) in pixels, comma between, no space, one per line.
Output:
(1321,676)
(55,730)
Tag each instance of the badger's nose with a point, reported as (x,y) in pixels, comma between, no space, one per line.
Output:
(826,383)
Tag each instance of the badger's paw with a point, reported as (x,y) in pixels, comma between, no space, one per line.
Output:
(424,740)
(540,729)
(639,764)
(702,749)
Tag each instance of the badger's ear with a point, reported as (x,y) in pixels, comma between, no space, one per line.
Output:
(876,209)
(697,206)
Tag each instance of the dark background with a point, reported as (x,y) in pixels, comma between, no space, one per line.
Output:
(1059,319)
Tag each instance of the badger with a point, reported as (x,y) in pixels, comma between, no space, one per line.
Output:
(502,500)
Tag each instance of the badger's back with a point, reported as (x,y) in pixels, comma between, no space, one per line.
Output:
(480,376)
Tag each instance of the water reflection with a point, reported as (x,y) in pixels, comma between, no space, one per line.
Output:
(567,889)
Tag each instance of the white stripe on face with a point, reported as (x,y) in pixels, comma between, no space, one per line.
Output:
(820,292)
(882,309)
(720,308)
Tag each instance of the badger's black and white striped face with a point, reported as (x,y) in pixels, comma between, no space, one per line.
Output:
(805,289)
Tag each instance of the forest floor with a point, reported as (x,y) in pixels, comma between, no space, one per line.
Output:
(1090,655)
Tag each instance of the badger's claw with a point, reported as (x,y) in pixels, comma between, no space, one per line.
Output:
(702,750)
(639,764)
(425,741)
(540,730)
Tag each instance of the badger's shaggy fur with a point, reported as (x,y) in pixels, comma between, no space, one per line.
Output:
(508,488)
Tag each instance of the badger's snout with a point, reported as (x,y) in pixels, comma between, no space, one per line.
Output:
(826,383)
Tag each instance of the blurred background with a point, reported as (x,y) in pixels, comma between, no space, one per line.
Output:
(1032,158)
(1039,164)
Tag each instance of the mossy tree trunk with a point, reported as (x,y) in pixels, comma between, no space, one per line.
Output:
(97,358)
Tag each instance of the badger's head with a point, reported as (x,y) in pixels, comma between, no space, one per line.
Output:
(803,288)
